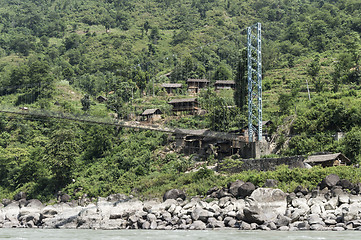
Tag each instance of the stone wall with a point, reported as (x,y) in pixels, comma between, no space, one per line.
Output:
(266,164)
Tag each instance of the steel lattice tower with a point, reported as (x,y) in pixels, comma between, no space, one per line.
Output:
(254,82)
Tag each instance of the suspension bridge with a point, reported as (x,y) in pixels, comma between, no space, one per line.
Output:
(238,141)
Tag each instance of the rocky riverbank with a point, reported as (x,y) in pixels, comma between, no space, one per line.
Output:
(335,205)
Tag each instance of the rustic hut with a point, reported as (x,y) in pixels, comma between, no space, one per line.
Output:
(195,84)
(171,87)
(224,84)
(152,114)
(185,104)
(102,99)
(328,160)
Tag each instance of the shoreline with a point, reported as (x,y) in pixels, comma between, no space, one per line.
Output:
(334,206)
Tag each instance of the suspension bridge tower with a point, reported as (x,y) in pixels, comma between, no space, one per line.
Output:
(254,57)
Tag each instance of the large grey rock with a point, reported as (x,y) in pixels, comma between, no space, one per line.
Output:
(314,219)
(197,225)
(49,211)
(282,221)
(265,204)
(214,223)
(11,212)
(330,181)
(246,189)
(174,194)
(233,187)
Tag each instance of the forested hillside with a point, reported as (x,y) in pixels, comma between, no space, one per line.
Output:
(60,55)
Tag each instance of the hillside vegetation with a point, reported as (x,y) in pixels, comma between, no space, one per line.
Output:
(60,55)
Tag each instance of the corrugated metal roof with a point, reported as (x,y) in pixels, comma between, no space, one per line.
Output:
(172,85)
(198,80)
(326,157)
(228,82)
(183,100)
(151,111)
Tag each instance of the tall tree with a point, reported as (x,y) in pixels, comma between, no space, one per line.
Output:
(240,93)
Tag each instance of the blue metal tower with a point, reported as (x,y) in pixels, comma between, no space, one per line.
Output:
(254,82)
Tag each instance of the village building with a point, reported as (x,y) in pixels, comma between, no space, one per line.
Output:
(102,99)
(328,160)
(194,85)
(224,84)
(185,104)
(151,115)
(171,87)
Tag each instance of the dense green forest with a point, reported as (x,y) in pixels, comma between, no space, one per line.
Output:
(60,55)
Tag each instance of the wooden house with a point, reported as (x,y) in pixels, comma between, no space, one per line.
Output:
(185,104)
(171,87)
(102,99)
(152,114)
(194,85)
(328,160)
(224,84)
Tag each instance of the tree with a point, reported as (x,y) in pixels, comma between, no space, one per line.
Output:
(241,82)
(62,151)
(313,70)
(223,72)
(85,102)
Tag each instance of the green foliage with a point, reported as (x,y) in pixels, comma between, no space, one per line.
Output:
(117,49)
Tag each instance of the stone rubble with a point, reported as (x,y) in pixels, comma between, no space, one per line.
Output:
(335,205)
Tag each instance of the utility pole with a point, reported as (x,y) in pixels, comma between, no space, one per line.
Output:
(254,57)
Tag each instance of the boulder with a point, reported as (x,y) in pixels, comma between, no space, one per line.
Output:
(301,189)
(214,223)
(174,194)
(345,184)
(270,183)
(223,193)
(246,189)
(197,225)
(330,181)
(265,204)
(233,187)
(19,196)
(6,202)
(11,212)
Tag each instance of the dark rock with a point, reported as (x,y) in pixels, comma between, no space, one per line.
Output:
(223,193)
(65,198)
(233,187)
(345,184)
(290,197)
(246,189)
(301,189)
(212,190)
(357,188)
(19,196)
(174,194)
(270,183)
(330,181)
